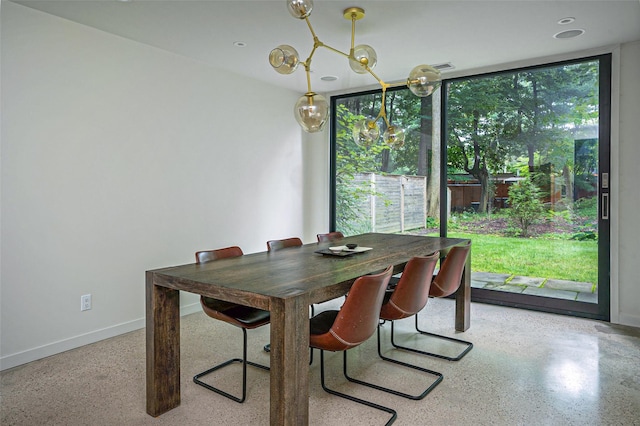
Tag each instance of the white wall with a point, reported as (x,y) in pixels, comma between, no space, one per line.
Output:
(626,303)
(118,158)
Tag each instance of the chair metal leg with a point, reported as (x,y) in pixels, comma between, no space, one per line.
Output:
(432,386)
(468,347)
(394,414)
(244,362)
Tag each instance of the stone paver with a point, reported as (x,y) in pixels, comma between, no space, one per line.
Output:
(505,287)
(557,294)
(489,277)
(588,297)
(569,285)
(559,289)
(528,281)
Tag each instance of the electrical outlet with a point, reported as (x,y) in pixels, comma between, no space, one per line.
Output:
(85,302)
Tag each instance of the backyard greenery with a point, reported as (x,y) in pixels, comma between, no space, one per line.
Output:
(570,260)
(562,246)
(525,147)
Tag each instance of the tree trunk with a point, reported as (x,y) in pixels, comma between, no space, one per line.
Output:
(433,177)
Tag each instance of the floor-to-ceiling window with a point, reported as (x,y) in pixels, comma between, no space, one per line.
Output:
(518,161)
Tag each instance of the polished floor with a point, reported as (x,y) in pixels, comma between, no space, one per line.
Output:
(526,368)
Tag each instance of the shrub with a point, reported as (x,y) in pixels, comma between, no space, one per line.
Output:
(526,208)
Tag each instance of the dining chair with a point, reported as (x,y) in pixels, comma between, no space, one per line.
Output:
(275,245)
(445,283)
(408,298)
(330,237)
(240,316)
(353,324)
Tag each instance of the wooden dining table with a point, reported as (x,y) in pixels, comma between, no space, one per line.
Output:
(284,282)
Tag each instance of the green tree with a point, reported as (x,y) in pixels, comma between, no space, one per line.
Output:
(526,208)
(476,118)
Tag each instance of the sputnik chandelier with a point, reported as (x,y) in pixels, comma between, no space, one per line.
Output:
(312,110)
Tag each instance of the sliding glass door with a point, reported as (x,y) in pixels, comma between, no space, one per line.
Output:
(527,175)
(518,161)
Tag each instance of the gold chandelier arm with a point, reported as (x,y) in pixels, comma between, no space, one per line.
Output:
(353,31)
(400,83)
(307,72)
(333,50)
(313,34)
(383,109)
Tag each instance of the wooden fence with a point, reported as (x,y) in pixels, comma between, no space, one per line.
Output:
(394,203)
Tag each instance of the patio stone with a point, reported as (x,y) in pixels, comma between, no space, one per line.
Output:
(557,294)
(528,281)
(588,297)
(505,287)
(569,285)
(489,277)
(477,284)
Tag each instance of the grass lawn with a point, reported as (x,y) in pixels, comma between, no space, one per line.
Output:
(534,257)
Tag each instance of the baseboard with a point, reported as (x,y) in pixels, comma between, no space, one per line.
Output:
(631,320)
(14,360)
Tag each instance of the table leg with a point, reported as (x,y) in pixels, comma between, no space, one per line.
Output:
(163,348)
(463,298)
(290,361)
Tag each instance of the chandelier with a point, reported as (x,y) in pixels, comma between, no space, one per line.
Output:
(312,110)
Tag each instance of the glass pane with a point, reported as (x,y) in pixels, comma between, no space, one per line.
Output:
(522,153)
(382,188)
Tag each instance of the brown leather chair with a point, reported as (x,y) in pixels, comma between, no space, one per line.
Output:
(238,315)
(330,237)
(274,245)
(353,324)
(408,298)
(445,283)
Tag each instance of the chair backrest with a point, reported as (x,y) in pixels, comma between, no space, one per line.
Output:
(412,292)
(274,245)
(210,255)
(358,318)
(330,236)
(448,279)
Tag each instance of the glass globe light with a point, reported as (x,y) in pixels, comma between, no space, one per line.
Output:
(284,59)
(424,80)
(300,8)
(394,137)
(363,56)
(365,132)
(311,112)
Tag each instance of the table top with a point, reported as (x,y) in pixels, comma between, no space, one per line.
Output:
(254,279)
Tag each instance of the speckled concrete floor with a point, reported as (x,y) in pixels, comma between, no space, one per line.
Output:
(526,368)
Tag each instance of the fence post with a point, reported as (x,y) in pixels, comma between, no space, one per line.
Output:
(372,180)
(402,209)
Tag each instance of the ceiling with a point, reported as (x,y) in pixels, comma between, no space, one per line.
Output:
(468,34)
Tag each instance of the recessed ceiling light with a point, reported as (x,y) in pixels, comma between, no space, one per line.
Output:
(567,20)
(239,44)
(568,34)
(329,78)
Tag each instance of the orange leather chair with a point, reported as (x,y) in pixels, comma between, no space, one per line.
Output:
(275,245)
(353,324)
(408,298)
(329,237)
(238,315)
(444,284)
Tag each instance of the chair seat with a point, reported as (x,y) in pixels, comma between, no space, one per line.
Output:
(238,315)
(322,322)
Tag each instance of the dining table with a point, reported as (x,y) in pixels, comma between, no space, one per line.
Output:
(284,282)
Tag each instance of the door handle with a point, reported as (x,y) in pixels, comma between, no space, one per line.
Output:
(605,206)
